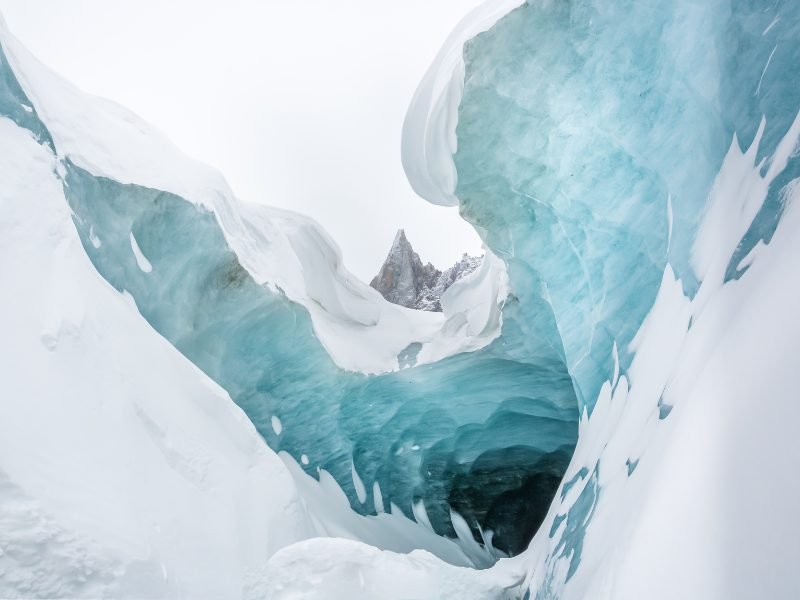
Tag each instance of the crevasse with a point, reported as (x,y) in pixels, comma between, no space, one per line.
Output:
(478,440)
(635,168)
(629,162)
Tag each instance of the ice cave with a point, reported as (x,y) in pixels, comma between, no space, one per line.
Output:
(203,402)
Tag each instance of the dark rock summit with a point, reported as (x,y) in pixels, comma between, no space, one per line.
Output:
(404,280)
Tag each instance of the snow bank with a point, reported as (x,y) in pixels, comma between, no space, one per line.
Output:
(429,131)
(124,470)
(679,485)
(331,568)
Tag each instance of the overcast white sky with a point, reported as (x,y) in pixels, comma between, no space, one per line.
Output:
(299,103)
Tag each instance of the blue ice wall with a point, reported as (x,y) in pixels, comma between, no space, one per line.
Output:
(589,135)
(488,434)
(15,105)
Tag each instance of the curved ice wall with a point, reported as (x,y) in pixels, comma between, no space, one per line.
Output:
(627,160)
(588,138)
(486,434)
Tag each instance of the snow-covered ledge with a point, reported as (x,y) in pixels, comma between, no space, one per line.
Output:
(282,250)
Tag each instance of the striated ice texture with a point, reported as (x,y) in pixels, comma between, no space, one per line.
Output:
(626,160)
(589,136)
(487,434)
(478,441)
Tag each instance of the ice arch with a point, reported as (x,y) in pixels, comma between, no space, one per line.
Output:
(474,443)
(573,137)
(636,166)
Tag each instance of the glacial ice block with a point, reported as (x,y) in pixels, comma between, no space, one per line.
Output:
(589,137)
(484,434)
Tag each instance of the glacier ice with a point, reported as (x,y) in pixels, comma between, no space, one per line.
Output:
(399,429)
(584,185)
(196,272)
(633,170)
(624,160)
(123,469)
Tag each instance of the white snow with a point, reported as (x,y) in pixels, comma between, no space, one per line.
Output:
(94,239)
(277,426)
(332,568)
(710,510)
(472,308)
(739,192)
(280,249)
(329,508)
(124,470)
(361,491)
(377,497)
(429,131)
(141,260)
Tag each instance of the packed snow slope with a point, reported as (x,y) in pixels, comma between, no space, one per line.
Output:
(472,445)
(636,167)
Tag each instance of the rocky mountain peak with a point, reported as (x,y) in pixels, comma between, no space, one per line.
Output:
(405,280)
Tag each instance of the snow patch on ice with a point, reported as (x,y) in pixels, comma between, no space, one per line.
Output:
(361,491)
(141,260)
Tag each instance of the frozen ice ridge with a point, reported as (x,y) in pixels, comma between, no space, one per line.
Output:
(404,280)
